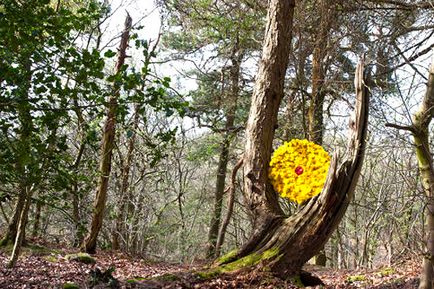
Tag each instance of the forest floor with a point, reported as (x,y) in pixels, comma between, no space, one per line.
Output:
(43,266)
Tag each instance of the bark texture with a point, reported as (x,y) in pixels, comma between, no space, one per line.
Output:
(17,227)
(261,124)
(420,128)
(19,239)
(89,243)
(295,239)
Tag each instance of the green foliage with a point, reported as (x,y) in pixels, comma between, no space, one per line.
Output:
(49,85)
(229,31)
(41,72)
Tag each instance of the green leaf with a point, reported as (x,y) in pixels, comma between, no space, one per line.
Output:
(109,54)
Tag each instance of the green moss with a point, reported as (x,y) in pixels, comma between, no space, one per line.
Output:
(270,253)
(296,280)
(356,278)
(51,258)
(81,257)
(70,285)
(167,277)
(137,279)
(386,272)
(247,261)
(227,257)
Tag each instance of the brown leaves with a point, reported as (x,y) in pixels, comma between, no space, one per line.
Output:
(52,270)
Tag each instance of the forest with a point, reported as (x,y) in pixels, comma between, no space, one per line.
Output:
(216,144)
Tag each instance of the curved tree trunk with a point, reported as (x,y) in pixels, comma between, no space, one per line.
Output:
(285,244)
(288,243)
(267,95)
(24,148)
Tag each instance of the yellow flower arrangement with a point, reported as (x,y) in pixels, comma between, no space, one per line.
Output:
(298,170)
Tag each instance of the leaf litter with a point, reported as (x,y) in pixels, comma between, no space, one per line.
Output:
(51,269)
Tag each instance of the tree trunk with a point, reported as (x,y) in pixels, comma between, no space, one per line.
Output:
(75,193)
(231,201)
(420,132)
(79,228)
(231,102)
(25,139)
(37,223)
(11,232)
(21,227)
(125,174)
(421,121)
(284,244)
(267,95)
(89,244)
(316,107)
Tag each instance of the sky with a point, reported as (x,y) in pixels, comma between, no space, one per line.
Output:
(143,12)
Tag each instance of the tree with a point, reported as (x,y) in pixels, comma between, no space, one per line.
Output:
(228,29)
(284,244)
(420,132)
(108,142)
(38,52)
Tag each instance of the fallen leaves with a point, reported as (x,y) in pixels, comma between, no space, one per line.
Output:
(53,270)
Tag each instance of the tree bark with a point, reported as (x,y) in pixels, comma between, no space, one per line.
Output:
(231,201)
(21,227)
(25,139)
(119,229)
(37,223)
(11,232)
(89,243)
(267,95)
(286,243)
(420,131)
(316,107)
(421,121)
(75,193)
(229,132)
